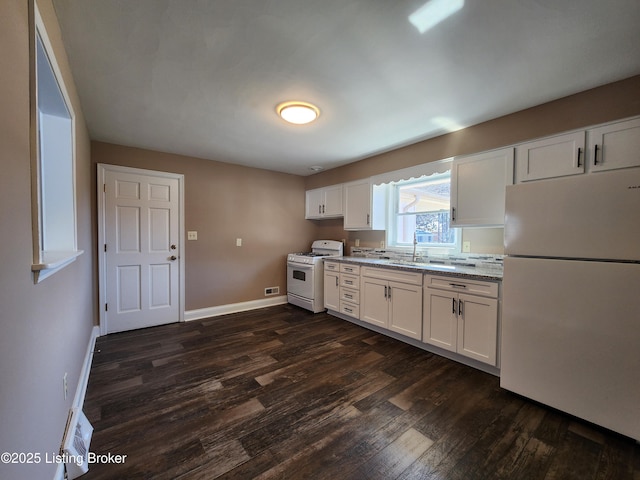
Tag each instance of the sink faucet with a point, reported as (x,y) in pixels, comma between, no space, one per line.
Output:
(415,244)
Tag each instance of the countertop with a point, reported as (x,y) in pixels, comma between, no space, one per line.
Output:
(469,272)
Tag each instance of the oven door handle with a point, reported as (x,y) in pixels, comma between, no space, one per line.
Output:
(304,266)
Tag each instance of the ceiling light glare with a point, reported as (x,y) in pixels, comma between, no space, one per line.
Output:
(298,113)
(434,12)
(447,124)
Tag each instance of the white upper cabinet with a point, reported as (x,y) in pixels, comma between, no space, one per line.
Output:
(556,156)
(364,206)
(478,185)
(616,145)
(324,202)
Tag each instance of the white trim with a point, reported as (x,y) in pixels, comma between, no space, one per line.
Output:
(417,171)
(40,265)
(201,313)
(83,381)
(102,294)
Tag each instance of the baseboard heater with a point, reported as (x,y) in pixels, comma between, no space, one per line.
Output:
(75,446)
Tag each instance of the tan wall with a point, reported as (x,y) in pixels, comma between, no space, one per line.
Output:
(224,202)
(603,104)
(44,328)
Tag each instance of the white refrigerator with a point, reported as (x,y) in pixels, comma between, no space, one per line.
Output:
(571,296)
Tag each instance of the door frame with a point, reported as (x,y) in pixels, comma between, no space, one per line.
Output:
(103,168)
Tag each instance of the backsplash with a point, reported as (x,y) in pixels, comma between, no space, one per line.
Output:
(463,259)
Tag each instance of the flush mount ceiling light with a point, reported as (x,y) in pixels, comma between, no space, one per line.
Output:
(298,112)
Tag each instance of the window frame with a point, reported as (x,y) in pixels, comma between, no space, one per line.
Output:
(44,211)
(393,217)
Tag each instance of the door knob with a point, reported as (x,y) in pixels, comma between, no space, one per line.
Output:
(173,247)
(173,257)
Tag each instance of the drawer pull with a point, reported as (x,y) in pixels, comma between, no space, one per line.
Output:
(458,285)
(346,295)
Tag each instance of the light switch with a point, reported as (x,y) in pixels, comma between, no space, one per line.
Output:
(466,247)
(238,242)
(192,235)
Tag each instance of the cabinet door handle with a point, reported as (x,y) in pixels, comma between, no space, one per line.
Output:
(453,306)
(368,218)
(385,292)
(336,281)
(595,155)
(453,214)
(322,208)
(389,297)
(460,308)
(319,208)
(579,155)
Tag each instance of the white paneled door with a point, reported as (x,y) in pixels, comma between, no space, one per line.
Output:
(142,252)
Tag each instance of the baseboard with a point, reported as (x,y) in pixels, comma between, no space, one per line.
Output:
(201,313)
(83,381)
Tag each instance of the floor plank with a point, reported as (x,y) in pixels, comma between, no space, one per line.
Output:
(283,393)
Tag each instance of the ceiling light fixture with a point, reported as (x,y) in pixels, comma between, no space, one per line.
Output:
(298,112)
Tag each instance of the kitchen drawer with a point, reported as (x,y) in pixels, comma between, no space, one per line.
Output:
(350,309)
(332,266)
(349,295)
(349,281)
(392,275)
(347,268)
(461,285)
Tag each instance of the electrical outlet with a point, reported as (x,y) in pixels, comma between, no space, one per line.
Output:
(466,247)
(238,242)
(64,385)
(271,291)
(192,235)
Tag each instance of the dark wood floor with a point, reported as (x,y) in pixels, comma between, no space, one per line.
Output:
(280,393)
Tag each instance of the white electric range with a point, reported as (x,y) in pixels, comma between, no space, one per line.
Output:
(305,274)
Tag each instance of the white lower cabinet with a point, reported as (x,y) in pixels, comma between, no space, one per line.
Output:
(462,316)
(342,288)
(332,286)
(392,299)
(350,290)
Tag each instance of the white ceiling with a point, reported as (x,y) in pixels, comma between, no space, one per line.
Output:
(203,77)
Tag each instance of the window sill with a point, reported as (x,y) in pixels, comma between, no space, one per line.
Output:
(52,262)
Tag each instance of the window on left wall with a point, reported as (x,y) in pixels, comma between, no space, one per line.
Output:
(53,161)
